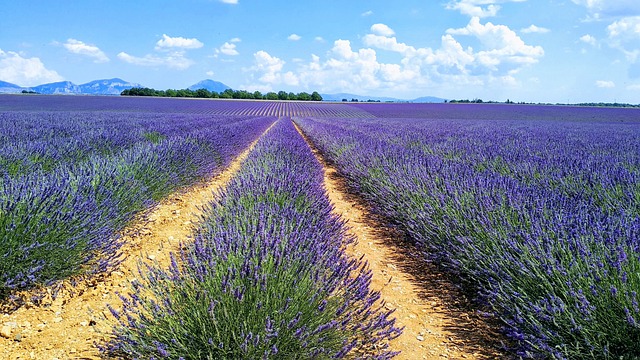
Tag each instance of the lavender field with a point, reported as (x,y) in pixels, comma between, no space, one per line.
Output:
(536,209)
(533,209)
(70,180)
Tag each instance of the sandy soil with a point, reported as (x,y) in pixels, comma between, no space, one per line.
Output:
(68,326)
(438,319)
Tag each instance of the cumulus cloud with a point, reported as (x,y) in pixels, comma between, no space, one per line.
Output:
(501,45)
(535,29)
(92,51)
(319,39)
(235,40)
(294,37)
(23,71)
(624,35)
(168,42)
(588,39)
(229,1)
(382,29)
(367,13)
(627,28)
(228,49)
(478,8)
(170,53)
(348,67)
(603,9)
(174,60)
(269,69)
(387,43)
(605,84)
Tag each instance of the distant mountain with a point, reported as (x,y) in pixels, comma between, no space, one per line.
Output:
(349,97)
(96,87)
(429,99)
(9,88)
(62,87)
(210,85)
(106,87)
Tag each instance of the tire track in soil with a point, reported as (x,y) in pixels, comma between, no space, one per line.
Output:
(69,326)
(439,322)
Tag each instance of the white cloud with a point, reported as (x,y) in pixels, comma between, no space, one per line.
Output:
(503,46)
(175,60)
(367,13)
(603,9)
(319,39)
(228,49)
(624,35)
(588,39)
(168,42)
(79,47)
(210,73)
(387,43)
(535,29)
(382,29)
(634,87)
(294,37)
(25,71)
(171,53)
(478,8)
(235,40)
(496,63)
(229,1)
(269,69)
(626,28)
(605,84)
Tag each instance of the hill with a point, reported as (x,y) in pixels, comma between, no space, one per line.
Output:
(97,87)
(9,88)
(428,99)
(106,87)
(210,85)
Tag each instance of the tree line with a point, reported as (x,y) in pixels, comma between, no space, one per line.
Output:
(227,94)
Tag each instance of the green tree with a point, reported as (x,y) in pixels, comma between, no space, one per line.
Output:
(304,96)
(203,93)
(282,95)
(315,96)
(272,96)
(227,94)
(257,95)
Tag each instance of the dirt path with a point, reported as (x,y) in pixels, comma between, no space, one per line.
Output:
(69,326)
(436,316)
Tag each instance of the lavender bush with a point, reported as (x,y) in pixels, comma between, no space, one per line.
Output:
(267,276)
(69,181)
(541,217)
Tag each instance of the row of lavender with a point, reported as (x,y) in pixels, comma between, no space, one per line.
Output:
(173,105)
(45,140)
(541,217)
(70,180)
(266,277)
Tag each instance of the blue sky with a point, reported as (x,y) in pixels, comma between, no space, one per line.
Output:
(524,50)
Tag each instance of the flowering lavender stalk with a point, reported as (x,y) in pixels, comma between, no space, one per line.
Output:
(266,277)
